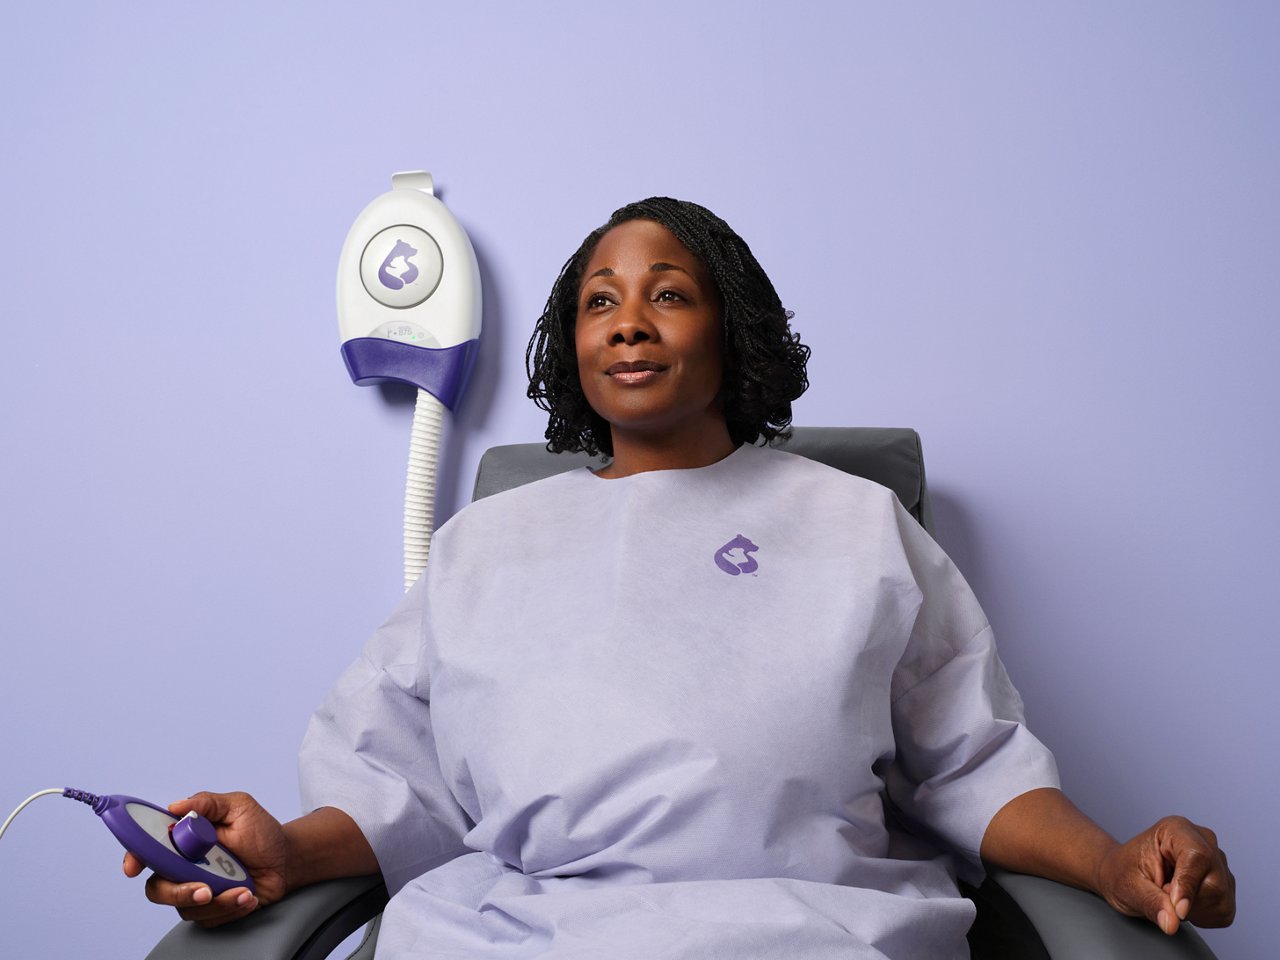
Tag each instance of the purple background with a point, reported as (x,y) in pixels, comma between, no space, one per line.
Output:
(1047,238)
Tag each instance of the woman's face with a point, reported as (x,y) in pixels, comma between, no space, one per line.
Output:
(649,335)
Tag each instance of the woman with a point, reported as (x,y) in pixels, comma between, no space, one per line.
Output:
(654,710)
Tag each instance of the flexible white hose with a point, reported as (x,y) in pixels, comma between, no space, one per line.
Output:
(34,796)
(420,488)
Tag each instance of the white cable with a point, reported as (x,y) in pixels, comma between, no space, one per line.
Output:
(34,796)
(420,488)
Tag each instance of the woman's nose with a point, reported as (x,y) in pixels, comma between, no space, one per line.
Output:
(631,325)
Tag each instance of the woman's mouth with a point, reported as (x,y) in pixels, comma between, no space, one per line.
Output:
(634,371)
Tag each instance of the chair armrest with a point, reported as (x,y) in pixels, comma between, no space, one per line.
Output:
(1075,925)
(306,925)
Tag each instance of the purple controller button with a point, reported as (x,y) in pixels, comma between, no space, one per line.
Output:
(194,836)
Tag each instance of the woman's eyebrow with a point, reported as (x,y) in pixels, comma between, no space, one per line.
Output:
(658,267)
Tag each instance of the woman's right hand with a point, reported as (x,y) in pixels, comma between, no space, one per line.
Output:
(247,830)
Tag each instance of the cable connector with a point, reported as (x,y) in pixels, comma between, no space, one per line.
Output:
(84,796)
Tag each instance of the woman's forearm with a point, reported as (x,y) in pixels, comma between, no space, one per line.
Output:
(1043,833)
(323,845)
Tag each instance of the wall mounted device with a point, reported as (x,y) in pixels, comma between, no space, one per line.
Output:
(409,312)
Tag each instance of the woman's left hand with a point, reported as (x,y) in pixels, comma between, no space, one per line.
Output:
(1171,872)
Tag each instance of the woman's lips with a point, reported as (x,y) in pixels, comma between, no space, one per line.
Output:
(634,376)
(635,371)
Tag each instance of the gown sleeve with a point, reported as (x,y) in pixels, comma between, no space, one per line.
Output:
(963,749)
(369,751)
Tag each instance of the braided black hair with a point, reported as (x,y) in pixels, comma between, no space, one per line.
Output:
(764,361)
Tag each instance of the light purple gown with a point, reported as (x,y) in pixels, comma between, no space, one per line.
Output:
(655,718)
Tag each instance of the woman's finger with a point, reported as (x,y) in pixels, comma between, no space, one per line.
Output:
(1215,906)
(1202,887)
(215,807)
(132,865)
(228,906)
(181,895)
(1192,864)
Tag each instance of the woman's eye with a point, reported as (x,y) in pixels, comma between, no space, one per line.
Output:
(668,296)
(596,300)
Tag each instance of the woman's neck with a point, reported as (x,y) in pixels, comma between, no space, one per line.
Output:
(634,453)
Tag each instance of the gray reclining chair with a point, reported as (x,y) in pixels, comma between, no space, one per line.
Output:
(1019,917)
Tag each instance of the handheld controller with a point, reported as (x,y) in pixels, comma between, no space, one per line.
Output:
(183,850)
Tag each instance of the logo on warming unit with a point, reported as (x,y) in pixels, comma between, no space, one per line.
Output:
(735,556)
(403,277)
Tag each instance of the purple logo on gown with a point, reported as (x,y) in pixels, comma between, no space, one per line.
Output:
(735,556)
(410,274)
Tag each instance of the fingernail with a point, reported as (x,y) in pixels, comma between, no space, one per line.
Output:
(1184,907)
(1163,920)
(244,899)
(202,895)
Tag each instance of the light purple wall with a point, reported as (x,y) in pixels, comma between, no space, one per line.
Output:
(1048,239)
